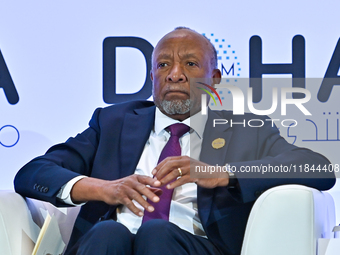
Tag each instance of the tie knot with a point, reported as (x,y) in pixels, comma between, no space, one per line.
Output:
(178,129)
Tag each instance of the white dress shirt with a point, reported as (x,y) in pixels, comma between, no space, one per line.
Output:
(183,207)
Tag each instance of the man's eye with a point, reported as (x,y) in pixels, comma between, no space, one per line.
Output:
(191,64)
(162,65)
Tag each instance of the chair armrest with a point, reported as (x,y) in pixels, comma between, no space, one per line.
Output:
(17,229)
(289,219)
(21,220)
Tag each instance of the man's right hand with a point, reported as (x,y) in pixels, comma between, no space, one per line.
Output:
(122,191)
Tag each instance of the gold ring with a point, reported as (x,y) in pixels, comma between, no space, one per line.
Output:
(180,172)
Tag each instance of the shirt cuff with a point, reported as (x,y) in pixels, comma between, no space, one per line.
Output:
(232,177)
(64,193)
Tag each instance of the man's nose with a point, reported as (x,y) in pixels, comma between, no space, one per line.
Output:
(176,74)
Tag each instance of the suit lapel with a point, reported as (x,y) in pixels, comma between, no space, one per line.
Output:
(212,156)
(208,154)
(135,133)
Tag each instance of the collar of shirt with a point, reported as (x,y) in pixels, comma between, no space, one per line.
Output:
(196,122)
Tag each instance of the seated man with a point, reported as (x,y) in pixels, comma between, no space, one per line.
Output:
(130,170)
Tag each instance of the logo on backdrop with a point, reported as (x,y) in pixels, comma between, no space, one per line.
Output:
(110,44)
(229,64)
(228,61)
(6,82)
(297,68)
(9,136)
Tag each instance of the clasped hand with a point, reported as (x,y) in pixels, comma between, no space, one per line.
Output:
(133,188)
(168,170)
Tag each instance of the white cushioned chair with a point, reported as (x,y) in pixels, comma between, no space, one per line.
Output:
(284,220)
(289,219)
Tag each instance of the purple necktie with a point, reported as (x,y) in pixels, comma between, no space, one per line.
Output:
(172,148)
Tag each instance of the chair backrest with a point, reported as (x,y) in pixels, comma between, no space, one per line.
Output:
(289,219)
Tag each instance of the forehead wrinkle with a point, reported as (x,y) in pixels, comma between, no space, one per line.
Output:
(181,56)
(197,50)
(164,56)
(188,55)
(181,51)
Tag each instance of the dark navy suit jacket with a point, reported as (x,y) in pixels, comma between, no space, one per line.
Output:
(111,148)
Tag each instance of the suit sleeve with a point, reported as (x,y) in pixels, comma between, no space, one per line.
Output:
(43,177)
(276,163)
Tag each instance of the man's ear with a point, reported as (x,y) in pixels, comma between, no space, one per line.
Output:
(216,76)
(151,75)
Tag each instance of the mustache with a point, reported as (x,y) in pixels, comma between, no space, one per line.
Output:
(176,88)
